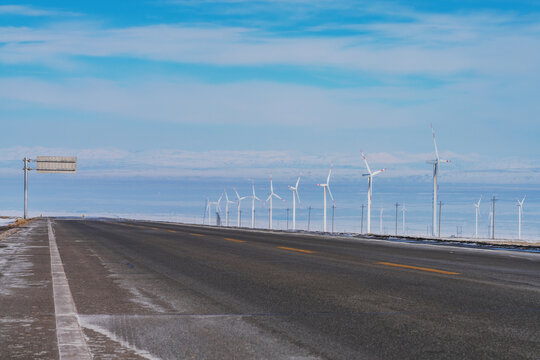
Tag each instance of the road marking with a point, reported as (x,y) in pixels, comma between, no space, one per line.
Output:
(193,234)
(71,341)
(419,268)
(171,231)
(234,240)
(155,228)
(293,249)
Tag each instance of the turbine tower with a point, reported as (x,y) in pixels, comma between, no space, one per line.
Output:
(227,202)
(520,213)
(403,209)
(239,201)
(370,176)
(326,187)
(294,189)
(435,172)
(477,211)
(272,195)
(253,198)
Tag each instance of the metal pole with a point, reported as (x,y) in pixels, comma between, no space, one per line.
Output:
(397,204)
(440,209)
(309,217)
(493,219)
(333,210)
(25,187)
(362,222)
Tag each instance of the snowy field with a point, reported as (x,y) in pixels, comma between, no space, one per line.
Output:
(4,222)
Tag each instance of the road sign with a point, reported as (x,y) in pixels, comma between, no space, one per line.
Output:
(47,164)
(56,164)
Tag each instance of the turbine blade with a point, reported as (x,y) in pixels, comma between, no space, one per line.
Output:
(330,193)
(237,196)
(365,161)
(435,142)
(378,172)
(297,181)
(329,173)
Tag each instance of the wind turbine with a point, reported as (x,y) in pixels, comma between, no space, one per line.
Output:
(272,195)
(370,176)
(294,189)
(218,208)
(207,209)
(477,210)
(326,187)
(239,200)
(435,171)
(520,213)
(227,202)
(253,198)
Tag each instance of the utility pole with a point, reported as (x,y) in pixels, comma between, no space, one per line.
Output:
(309,218)
(397,204)
(333,211)
(26,160)
(362,222)
(440,209)
(493,218)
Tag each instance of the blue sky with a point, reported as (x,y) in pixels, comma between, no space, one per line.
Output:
(229,88)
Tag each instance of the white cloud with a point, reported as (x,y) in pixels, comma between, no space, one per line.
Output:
(282,164)
(30,11)
(432,44)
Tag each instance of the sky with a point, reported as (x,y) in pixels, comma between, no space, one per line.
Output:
(232,88)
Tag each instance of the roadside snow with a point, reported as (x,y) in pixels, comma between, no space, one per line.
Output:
(5,222)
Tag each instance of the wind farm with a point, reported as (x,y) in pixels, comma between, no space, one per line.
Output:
(262,180)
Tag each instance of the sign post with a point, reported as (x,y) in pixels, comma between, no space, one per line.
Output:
(47,164)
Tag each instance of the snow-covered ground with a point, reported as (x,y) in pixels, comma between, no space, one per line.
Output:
(4,222)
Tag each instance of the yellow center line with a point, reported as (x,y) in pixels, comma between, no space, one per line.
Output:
(171,231)
(293,249)
(234,240)
(155,228)
(419,268)
(193,234)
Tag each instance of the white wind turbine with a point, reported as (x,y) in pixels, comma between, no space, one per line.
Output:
(272,195)
(227,202)
(326,187)
(370,176)
(207,209)
(239,200)
(218,208)
(435,172)
(477,211)
(294,189)
(253,198)
(520,213)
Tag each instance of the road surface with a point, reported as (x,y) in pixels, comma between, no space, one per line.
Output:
(152,290)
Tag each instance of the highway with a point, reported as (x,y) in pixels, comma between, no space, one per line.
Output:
(168,291)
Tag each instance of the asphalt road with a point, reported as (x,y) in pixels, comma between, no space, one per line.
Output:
(144,289)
